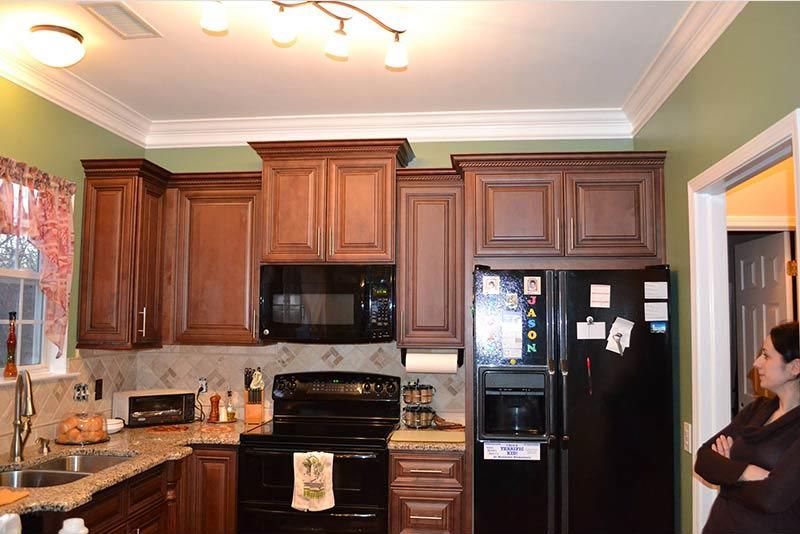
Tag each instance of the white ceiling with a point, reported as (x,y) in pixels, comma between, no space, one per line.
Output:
(563,62)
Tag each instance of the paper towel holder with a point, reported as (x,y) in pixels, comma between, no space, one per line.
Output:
(460,359)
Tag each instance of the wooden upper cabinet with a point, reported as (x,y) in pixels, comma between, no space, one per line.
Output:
(518,213)
(361,197)
(294,211)
(216,266)
(430,258)
(612,213)
(597,204)
(121,261)
(330,201)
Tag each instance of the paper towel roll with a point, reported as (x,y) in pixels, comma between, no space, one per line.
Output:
(432,361)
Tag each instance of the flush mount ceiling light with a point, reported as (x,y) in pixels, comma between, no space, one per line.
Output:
(55,46)
(284,33)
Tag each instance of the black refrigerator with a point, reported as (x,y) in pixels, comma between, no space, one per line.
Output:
(574,427)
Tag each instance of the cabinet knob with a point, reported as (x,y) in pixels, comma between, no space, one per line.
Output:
(265,331)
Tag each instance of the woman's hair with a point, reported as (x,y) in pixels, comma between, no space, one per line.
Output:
(785,340)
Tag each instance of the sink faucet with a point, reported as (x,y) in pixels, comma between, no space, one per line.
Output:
(23,411)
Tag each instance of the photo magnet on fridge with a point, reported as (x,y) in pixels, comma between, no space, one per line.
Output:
(491,285)
(658,327)
(531,285)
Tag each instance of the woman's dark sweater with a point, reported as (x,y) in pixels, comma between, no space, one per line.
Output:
(768,506)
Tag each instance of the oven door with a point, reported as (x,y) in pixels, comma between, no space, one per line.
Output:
(266,482)
(327,303)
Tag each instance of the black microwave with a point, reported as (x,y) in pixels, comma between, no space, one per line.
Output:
(327,303)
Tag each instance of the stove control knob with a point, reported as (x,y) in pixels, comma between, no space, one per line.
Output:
(366,388)
(378,387)
(292,385)
(391,387)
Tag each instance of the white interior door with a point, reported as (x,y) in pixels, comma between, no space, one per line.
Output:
(763,299)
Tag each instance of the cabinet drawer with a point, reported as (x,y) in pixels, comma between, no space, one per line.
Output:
(152,521)
(416,512)
(429,470)
(146,490)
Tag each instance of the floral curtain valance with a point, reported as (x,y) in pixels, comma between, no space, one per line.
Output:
(40,209)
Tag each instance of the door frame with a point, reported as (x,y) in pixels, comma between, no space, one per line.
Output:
(708,255)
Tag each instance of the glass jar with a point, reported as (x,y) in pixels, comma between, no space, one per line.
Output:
(418,416)
(82,429)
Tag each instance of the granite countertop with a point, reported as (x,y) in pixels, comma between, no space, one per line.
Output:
(146,449)
(427,440)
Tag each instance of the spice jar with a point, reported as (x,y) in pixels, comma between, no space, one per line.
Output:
(418,416)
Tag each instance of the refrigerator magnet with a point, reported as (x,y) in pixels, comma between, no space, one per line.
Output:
(658,327)
(531,285)
(512,301)
(491,285)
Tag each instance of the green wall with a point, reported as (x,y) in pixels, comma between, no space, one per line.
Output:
(46,136)
(426,154)
(745,83)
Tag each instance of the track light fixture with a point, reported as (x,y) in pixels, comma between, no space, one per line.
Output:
(284,32)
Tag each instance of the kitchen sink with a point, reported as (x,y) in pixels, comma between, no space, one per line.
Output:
(78,463)
(38,479)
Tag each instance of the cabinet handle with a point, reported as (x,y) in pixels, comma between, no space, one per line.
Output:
(143,313)
(319,241)
(330,241)
(431,517)
(437,471)
(255,325)
(571,233)
(558,233)
(138,531)
(402,332)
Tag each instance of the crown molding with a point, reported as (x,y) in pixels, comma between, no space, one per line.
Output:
(692,37)
(419,127)
(72,93)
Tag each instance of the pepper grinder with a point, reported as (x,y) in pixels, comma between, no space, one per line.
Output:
(214,417)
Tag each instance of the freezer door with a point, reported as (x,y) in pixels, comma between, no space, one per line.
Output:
(616,411)
(513,314)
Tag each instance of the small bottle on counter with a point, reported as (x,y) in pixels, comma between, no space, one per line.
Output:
(10,370)
(230,411)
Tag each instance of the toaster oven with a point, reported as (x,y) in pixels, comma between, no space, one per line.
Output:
(153,407)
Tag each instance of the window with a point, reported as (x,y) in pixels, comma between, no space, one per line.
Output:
(20,292)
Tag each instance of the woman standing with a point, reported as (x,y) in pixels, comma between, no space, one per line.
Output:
(756,459)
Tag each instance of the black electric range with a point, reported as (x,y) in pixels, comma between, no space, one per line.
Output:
(348,414)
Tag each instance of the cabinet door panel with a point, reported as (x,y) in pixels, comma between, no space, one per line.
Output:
(430,266)
(360,210)
(105,293)
(216,267)
(147,308)
(213,484)
(518,214)
(153,521)
(611,213)
(418,511)
(294,211)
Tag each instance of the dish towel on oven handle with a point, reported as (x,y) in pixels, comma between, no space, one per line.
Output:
(313,481)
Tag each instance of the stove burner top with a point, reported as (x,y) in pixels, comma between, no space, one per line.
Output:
(322,433)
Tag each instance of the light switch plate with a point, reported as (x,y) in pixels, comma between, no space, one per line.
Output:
(687,436)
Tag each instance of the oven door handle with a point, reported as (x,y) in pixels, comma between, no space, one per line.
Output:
(362,516)
(370,456)
(344,456)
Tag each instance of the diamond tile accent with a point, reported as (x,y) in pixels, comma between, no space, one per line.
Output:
(332,358)
(380,359)
(286,356)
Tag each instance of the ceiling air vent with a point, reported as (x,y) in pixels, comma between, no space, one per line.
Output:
(120,18)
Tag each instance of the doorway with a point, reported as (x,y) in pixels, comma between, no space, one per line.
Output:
(710,302)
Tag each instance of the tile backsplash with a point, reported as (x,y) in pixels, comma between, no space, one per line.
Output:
(179,366)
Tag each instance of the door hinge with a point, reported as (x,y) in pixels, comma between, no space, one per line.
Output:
(791,268)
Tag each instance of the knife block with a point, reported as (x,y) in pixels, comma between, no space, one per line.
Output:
(254,406)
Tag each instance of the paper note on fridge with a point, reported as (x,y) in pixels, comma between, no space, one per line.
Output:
(655,311)
(619,337)
(655,290)
(600,296)
(591,330)
(512,450)
(512,335)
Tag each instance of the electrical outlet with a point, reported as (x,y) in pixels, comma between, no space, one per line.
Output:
(80,392)
(98,389)
(687,436)
(202,383)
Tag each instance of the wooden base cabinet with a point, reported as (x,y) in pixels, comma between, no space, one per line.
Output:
(430,259)
(425,495)
(330,201)
(212,491)
(119,301)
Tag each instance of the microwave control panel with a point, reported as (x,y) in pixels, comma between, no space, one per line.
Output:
(380,312)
